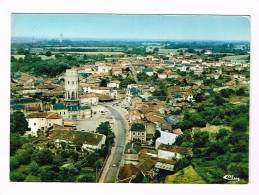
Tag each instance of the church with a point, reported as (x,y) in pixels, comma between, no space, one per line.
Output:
(70,108)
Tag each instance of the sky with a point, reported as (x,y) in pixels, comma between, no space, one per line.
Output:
(105,26)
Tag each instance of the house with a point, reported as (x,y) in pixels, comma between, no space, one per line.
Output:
(162,76)
(183,67)
(138,135)
(116,71)
(72,112)
(102,91)
(43,88)
(173,152)
(150,130)
(61,109)
(103,69)
(90,99)
(114,84)
(165,138)
(18,103)
(43,121)
(131,153)
(77,112)
(148,71)
(167,165)
(86,140)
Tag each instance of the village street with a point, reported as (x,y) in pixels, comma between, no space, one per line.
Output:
(112,167)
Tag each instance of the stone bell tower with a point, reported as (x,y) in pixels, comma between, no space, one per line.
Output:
(71,86)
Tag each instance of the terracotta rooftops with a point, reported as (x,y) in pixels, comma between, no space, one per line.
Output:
(47,115)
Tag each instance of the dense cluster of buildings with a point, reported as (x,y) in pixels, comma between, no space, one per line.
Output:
(74,95)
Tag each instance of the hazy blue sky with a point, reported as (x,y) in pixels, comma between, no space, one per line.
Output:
(181,27)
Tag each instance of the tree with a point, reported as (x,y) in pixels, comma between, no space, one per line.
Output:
(49,173)
(218,147)
(23,155)
(104,128)
(222,162)
(14,163)
(87,177)
(16,141)
(18,123)
(222,134)
(219,100)
(43,156)
(238,170)
(241,92)
(199,97)
(48,53)
(17,176)
(182,163)
(200,139)
(103,82)
(34,168)
(240,124)
(185,139)
(157,135)
(226,92)
(68,173)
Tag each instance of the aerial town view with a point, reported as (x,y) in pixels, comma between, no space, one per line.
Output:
(129,98)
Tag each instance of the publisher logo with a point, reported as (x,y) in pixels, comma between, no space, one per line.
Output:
(231,178)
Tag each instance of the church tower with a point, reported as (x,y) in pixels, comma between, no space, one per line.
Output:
(71,85)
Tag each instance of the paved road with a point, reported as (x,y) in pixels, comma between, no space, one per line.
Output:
(110,172)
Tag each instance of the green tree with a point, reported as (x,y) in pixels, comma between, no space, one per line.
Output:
(182,163)
(87,177)
(18,123)
(68,173)
(219,100)
(222,134)
(16,141)
(200,139)
(23,155)
(157,135)
(104,128)
(185,140)
(17,176)
(34,168)
(43,156)
(14,163)
(48,53)
(217,147)
(241,92)
(49,173)
(240,124)
(104,82)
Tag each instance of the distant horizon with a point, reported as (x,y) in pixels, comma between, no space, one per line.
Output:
(121,39)
(131,27)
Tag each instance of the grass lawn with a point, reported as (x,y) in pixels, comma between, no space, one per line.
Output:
(212,128)
(186,175)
